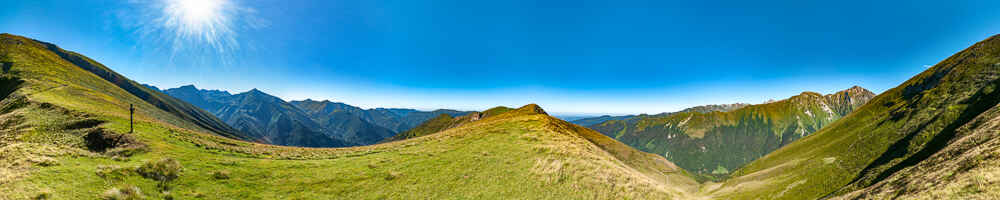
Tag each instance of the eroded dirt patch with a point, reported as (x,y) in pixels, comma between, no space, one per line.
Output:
(101,140)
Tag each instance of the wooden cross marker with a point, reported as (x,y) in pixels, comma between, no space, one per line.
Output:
(131,112)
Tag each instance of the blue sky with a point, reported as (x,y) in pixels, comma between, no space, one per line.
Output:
(594,57)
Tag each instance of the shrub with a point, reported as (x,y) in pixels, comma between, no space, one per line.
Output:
(123,193)
(163,170)
(168,196)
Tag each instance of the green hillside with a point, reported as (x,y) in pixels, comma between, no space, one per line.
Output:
(939,124)
(710,142)
(65,137)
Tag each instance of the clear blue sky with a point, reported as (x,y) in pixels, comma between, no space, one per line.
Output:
(574,56)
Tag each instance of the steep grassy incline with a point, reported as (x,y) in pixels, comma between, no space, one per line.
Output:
(901,128)
(54,116)
(181,109)
(967,168)
(711,143)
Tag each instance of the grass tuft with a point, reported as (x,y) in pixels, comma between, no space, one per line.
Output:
(221,175)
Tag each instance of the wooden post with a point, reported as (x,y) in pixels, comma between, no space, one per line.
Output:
(131,112)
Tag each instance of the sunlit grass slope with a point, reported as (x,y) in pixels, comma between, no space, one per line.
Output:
(56,116)
(896,130)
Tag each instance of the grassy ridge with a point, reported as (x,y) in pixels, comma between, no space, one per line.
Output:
(444,121)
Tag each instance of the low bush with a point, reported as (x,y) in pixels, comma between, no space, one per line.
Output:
(163,170)
(123,193)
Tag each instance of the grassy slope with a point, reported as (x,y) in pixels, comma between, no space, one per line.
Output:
(896,130)
(518,154)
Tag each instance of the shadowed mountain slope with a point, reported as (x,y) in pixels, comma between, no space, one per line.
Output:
(261,116)
(302,119)
(275,121)
(394,119)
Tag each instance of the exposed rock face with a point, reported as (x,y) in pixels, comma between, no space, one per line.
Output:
(844,102)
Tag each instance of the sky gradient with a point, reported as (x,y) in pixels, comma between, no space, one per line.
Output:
(570,57)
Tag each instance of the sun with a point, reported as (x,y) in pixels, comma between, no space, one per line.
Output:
(196,17)
(195,12)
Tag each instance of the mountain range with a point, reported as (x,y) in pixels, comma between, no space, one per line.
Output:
(67,133)
(712,140)
(306,123)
